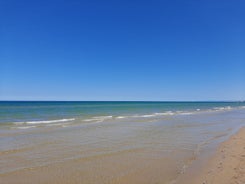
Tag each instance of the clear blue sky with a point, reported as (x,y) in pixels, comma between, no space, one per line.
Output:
(122,50)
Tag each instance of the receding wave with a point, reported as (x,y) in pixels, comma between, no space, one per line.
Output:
(45,122)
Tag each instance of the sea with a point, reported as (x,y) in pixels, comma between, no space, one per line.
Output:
(153,135)
(33,114)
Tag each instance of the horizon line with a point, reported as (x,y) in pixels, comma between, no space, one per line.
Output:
(122,100)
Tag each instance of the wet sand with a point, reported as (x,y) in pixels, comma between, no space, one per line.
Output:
(225,166)
(228,164)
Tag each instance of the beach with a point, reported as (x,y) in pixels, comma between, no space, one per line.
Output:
(170,144)
(122,92)
(227,165)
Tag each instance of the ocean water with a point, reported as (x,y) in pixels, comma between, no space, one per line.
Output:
(116,141)
(33,114)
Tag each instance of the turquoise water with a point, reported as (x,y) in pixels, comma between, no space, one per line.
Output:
(15,112)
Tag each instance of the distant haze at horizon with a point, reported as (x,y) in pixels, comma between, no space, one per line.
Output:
(122,51)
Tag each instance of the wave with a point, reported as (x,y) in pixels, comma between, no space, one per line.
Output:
(143,116)
(135,116)
(98,119)
(171,113)
(222,108)
(122,117)
(167,113)
(158,114)
(186,113)
(24,127)
(45,122)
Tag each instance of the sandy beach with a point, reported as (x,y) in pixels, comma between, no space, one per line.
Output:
(122,92)
(226,166)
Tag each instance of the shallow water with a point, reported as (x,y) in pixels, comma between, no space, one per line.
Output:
(115,150)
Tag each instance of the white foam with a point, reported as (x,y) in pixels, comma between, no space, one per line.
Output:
(88,119)
(121,117)
(147,115)
(186,113)
(25,127)
(167,113)
(222,108)
(103,117)
(45,122)
(59,124)
(141,116)
(98,118)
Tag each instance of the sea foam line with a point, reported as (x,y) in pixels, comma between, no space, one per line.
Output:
(171,113)
(222,108)
(24,127)
(153,115)
(45,122)
(98,118)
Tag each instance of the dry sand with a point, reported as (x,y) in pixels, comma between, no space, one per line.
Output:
(227,166)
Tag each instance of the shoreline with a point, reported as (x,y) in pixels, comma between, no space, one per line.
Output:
(219,161)
(225,166)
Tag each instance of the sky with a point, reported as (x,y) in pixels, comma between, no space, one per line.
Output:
(170,50)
